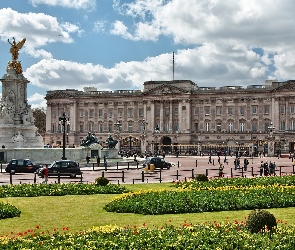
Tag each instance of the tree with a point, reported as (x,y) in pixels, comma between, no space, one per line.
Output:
(40,119)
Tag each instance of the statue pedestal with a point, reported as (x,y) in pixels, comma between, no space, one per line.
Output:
(111,153)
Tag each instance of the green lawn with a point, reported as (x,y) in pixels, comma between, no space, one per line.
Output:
(83,212)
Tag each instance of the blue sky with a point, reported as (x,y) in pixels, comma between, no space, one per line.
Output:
(120,44)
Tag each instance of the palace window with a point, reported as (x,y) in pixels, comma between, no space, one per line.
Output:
(230,127)
(218,127)
(100,112)
(91,113)
(90,126)
(292,109)
(242,126)
(282,109)
(140,112)
(292,125)
(282,125)
(218,110)
(110,127)
(266,125)
(196,127)
(254,125)
(167,111)
(130,127)
(196,111)
(110,113)
(242,110)
(176,127)
(176,111)
(120,112)
(53,128)
(207,126)
(266,110)
(254,110)
(207,110)
(81,128)
(54,114)
(100,127)
(230,110)
(81,113)
(130,112)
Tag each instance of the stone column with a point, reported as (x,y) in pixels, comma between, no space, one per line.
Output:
(171,117)
(180,124)
(161,116)
(188,115)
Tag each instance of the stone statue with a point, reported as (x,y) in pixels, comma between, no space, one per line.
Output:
(90,139)
(111,142)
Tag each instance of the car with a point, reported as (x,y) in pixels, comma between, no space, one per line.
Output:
(62,168)
(158,162)
(21,166)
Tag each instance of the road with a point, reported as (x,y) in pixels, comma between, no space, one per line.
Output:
(184,167)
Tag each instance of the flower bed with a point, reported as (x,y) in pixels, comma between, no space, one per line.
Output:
(192,200)
(31,190)
(8,211)
(224,235)
(237,182)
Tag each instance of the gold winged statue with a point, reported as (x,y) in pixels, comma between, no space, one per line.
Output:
(15,47)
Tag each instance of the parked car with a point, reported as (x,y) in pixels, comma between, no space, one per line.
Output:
(158,162)
(62,168)
(21,166)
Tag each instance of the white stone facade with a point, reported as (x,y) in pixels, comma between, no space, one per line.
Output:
(188,116)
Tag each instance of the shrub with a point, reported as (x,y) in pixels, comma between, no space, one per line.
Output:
(259,220)
(201,177)
(8,211)
(101,181)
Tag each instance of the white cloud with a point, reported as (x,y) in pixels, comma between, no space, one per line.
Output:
(38,28)
(37,101)
(75,4)
(207,65)
(99,26)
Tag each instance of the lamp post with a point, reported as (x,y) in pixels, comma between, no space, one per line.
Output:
(130,142)
(63,121)
(143,133)
(156,131)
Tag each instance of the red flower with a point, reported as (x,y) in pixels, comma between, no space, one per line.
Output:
(170,220)
(37,227)
(41,243)
(134,226)
(239,228)
(144,224)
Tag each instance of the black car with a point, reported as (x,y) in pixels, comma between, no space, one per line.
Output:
(158,162)
(21,166)
(63,168)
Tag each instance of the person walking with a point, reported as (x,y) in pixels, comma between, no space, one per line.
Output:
(105,164)
(45,174)
(261,168)
(87,160)
(246,163)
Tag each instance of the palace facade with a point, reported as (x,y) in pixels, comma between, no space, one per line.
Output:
(178,115)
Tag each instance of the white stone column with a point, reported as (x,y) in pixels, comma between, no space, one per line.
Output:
(161,116)
(180,124)
(171,117)
(188,115)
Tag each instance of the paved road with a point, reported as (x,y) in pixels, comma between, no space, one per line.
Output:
(184,167)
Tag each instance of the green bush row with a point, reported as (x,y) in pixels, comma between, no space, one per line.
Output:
(193,201)
(223,235)
(8,211)
(32,190)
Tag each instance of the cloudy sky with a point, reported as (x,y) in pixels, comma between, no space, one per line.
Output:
(120,44)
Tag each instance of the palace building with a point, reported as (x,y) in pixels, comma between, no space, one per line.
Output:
(178,115)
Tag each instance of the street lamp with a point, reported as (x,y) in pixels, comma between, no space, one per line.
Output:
(143,134)
(63,121)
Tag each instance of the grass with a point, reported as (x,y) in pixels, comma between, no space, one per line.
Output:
(83,212)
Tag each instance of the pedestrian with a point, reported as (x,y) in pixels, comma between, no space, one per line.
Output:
(266,169)
(87,160)
(98,160)
(261,168)
(246,163)
(221,167)
(45,174)
(105,164)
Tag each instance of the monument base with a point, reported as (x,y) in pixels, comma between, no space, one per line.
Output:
(20,136)
(111,153)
